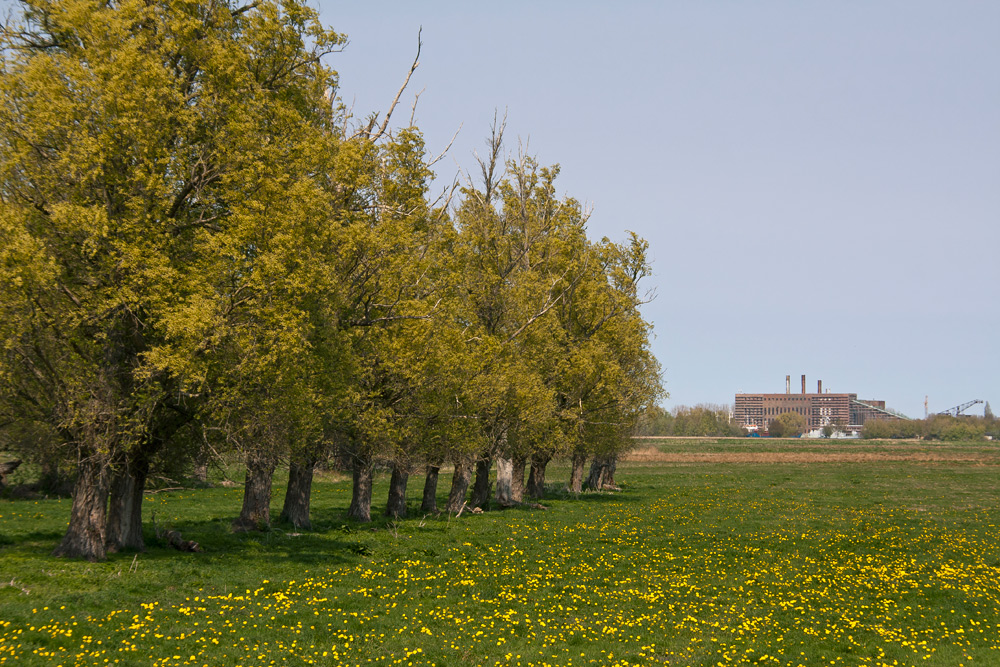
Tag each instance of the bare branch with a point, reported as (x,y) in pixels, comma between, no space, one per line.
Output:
(446,195)
(348,114)
(488,166)
(392,107)
(413,109)
(245,8)
(446,148)
(196,183)
(531,320)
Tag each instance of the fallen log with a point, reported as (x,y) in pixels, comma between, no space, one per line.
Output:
(175,540)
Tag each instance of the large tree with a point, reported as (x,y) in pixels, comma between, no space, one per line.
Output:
(161,169)
(516,243)
(394,268)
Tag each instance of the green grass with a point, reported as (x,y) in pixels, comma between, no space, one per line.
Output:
(815,564)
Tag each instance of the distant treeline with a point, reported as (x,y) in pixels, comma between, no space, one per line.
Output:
(714,420)
(702,419)
(935,427)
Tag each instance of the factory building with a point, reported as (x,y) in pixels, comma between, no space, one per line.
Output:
(756,411)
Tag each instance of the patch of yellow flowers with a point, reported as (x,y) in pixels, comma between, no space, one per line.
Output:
(653,583)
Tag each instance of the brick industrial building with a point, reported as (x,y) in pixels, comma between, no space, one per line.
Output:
(756,411)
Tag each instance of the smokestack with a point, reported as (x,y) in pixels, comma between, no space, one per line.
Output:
(819,386)
(788,384)
(803,384)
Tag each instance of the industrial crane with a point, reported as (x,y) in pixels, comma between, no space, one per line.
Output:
(959,409)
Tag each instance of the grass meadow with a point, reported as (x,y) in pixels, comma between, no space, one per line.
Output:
(714,553)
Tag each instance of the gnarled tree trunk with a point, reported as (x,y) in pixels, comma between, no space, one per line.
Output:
(429,502)
(481,488)
(536,478)
(505,481)
(598,473)
(295,509)
(88,519)
(124,530)
(256,511)
(609,479)
(518,463)
(459,485)
(396,505)
(361,489)
(576,472)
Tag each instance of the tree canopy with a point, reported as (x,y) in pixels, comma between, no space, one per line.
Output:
(788,425)
(201,249)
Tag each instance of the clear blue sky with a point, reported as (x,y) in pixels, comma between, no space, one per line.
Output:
(819,182)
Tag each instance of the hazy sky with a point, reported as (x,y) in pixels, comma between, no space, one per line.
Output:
(819,182)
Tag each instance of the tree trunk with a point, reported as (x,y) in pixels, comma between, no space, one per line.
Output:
(396,506)
(88,519)
(505,481)
(256,511)
(295,509)
(429,504)
(200,473)
(53,480)
(576,473)
(119,494)
(536,478)
(124,531)
(459,485)
(609,479)
(202,459)
(481,488)
(598,473)
(517,479)
(361,489)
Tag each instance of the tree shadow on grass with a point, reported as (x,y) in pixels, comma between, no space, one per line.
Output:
(333,540)
(280,542)
(215,539)
(33,536)
(560,493)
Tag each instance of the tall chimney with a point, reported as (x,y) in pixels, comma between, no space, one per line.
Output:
(803,384)
(819,386)
(788,384)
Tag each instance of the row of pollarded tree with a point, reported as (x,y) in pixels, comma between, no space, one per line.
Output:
(200,250)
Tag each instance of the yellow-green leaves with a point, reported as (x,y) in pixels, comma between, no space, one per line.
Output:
(166,207)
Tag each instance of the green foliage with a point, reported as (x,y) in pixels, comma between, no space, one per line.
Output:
(893,428)
(655,420)
(163,236)
(132,251)
(560,350)
(787,425)
(700,420)
(946,427)
(936,427)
